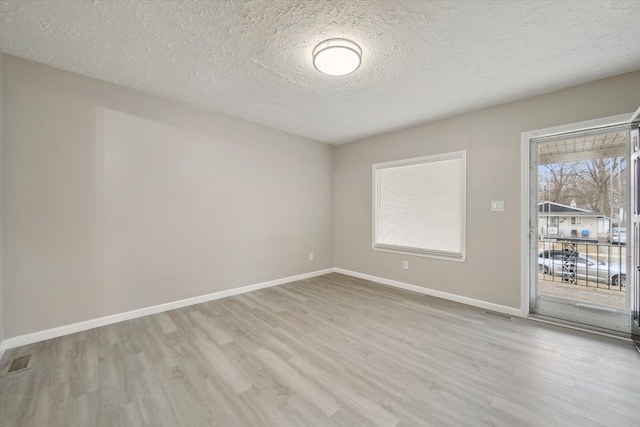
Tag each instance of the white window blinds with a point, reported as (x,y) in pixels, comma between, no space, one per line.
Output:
(419,206)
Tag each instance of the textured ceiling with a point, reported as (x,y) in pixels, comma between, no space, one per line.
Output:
(422,60)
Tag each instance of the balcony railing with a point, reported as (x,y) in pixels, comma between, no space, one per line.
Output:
(591,265)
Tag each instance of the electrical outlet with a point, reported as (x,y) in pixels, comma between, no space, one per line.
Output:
(310,256)
(405,265)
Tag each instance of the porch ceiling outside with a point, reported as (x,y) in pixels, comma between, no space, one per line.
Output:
(589,147)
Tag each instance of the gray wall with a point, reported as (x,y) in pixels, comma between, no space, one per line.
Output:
(1,270)
(492,140)
(115,200)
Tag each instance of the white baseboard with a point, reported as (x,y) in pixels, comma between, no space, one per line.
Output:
(516,312)
(31,338)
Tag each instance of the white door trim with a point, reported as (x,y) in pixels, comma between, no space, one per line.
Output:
(525,209)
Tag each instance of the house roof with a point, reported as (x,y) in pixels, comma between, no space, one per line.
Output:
(558,208)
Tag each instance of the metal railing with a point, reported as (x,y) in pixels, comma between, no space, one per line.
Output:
(595,265)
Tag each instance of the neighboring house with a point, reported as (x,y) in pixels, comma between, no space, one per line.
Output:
(556,220)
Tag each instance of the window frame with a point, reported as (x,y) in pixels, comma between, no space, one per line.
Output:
(427,253)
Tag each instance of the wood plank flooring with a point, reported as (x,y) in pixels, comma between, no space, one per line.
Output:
(327,351)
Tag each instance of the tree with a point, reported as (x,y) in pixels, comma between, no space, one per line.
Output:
(595,179)
(559,180)
(597,185)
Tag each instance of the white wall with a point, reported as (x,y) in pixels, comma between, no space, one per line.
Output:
(115,200)
(492,139)
(565,227)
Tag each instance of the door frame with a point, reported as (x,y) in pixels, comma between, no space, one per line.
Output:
(634,288)
(528,258)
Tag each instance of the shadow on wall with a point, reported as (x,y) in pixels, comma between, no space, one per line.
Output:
(179,208)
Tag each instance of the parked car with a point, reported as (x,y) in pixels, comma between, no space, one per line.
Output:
(617,236)
(553,262)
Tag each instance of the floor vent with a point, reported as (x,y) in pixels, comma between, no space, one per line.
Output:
(18,364)
(496,314)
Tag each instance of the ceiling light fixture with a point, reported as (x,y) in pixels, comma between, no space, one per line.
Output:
(337,57)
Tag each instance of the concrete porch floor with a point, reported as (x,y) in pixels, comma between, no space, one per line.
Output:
(583,292)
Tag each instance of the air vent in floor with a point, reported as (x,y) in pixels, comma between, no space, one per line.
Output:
(19,364)
(496,314)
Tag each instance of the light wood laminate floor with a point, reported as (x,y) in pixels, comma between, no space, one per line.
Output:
(327,351)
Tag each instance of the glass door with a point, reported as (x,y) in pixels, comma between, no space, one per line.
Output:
(634,290)
(580,217)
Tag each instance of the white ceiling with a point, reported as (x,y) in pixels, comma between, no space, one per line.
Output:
(422,60)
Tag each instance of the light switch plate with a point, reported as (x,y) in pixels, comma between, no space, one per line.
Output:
(497,205)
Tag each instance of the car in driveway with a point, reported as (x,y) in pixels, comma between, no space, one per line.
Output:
(617,236)
(564,264)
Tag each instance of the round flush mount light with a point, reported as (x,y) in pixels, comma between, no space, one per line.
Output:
(337,57)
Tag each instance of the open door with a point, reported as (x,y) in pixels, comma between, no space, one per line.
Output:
(584,224)
(580,194)
(635,184)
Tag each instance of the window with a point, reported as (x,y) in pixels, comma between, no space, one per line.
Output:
(581,261)
(575,220)
(419,206)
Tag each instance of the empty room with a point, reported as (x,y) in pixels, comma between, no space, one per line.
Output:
(320,213)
